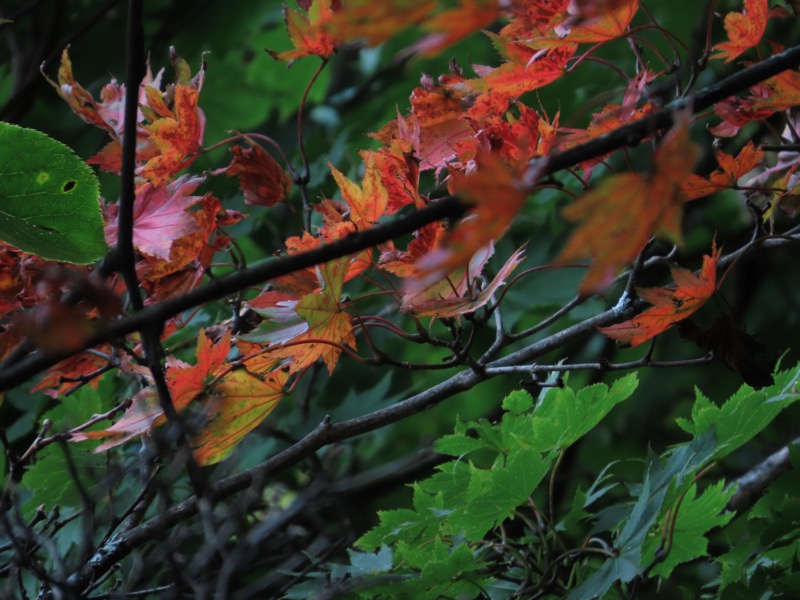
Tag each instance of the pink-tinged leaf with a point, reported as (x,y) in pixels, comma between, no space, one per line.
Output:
(140,417)
(236,406)
(457,283)
(454,306)
(160,216)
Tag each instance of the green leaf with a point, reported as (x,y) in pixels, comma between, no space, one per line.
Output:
(696,517)
(366,563)
(49,478)
(49,198)
(493,493)
(744,415)
(564,416)
(518,402)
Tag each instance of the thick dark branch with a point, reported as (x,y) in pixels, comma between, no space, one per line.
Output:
(633,133)
(123,257)
(630,134)
(752,484)
(223,286)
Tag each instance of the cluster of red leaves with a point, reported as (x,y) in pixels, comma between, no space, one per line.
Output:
(475,132)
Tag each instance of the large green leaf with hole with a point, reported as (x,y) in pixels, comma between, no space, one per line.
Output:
(49,198)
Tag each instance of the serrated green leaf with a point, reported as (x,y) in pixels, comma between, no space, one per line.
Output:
(744,415)
(564,416)
(696,517)
(458,445)
(518,402)
(494,493)
(367,563)
(49,198)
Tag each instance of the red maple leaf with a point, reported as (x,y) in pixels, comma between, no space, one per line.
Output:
(670,305)
(262,180)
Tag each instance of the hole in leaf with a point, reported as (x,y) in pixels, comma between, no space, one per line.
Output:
(68,186)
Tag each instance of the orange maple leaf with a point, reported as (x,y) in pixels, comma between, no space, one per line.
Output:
(178,137)
(449,26)
(744,29)
(236,406)
(670,305)
(367,202)
(295,325)
(625,210)
(727,175)
(593,22)
(528,68)
(780,92)
(186,382)
(262,180)
(81,101)
(376,22)
(309,31)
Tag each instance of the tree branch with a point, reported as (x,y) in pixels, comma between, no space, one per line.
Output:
(752,484)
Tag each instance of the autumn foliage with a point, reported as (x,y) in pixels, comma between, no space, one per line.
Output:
(478,136)
(475,133)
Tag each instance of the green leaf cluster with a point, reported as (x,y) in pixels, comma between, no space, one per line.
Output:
(487,524)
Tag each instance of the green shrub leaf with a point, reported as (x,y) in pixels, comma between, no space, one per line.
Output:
(49,198)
